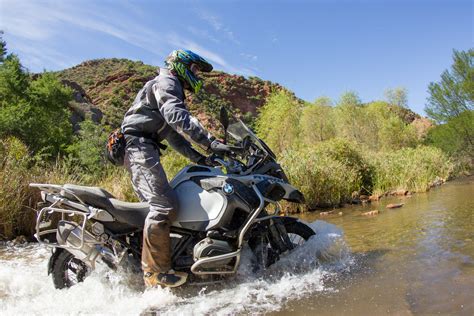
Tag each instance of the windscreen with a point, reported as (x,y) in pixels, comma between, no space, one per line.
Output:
(239,131)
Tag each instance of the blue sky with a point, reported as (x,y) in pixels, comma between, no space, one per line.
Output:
(315,48)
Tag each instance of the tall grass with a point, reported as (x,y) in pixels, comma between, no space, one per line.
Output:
(324,180)
(17,200)
(329,172)
(413,169)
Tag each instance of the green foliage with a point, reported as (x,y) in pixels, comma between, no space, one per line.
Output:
(14,159)
(117,182)
(3,47)
(14,81)
(324,180)
(451,103)
(173,163)
(450,137)
(397,96)
(386,130)
(278,121)
(87,150)
(350,155)
(374,125)
(413,169)
(317,122)
(454,94)
(349,98)
(349,117)
(34,110)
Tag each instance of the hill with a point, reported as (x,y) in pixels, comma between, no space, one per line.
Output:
(107,87)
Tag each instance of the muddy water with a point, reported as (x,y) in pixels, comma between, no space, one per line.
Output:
(418,259)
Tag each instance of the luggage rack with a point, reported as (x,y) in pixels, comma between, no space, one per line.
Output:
(55,194)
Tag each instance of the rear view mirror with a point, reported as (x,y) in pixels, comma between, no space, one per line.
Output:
(224,118)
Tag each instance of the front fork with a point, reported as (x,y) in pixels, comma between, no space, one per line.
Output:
(271,232)
(278,235)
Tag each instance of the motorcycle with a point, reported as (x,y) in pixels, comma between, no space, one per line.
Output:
(221,209)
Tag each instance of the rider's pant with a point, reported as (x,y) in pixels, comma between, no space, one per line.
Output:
(142,159)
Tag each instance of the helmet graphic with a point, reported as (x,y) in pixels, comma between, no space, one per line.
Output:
(181,62)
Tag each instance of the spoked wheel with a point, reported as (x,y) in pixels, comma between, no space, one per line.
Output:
(68,270)
(298,233)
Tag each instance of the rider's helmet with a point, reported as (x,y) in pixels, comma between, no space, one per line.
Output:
(184,63)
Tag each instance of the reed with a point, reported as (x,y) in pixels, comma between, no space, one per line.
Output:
(323,180)
(412,169)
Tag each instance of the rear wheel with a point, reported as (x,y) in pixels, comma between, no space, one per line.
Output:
(67,270)
(266,254)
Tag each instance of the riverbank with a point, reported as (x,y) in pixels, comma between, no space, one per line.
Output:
(330,174)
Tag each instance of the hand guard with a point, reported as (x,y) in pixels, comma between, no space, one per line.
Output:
(219,148)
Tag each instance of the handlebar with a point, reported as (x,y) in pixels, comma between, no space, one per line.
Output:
(231,166)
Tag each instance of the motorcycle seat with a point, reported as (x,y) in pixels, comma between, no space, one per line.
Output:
(94,196)
(131,213)
(126,212)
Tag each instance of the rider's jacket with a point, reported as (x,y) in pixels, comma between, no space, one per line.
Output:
(159,111)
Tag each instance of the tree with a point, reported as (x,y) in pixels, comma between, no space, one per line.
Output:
(349,98)
(35,111)
(397,96)
(451,102)
(88,147)
(349,116)
(317,123)
(278,121)
(3,47)
(454,94)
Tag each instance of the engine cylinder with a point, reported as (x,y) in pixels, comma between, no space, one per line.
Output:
(209,247)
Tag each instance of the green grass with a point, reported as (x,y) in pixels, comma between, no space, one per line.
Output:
(324,181)
(412,169)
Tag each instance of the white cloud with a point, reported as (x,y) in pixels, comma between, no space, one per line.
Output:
(188,44)
(42,21)
(37,57)
(35,27)
(217,25)
(203,34)
(249,56)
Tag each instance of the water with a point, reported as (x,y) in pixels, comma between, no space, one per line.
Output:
(418,259)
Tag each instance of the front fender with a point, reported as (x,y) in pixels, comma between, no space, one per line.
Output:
(54,256)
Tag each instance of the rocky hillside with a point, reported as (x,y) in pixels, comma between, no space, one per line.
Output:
(106,88)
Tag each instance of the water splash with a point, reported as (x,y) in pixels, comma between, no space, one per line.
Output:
(25,288)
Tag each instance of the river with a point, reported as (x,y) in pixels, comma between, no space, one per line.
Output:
(414,260)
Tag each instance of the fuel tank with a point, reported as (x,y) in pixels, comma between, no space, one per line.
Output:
(208,198)
(198,209)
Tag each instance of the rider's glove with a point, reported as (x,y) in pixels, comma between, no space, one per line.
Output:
(219,148)
(206,161)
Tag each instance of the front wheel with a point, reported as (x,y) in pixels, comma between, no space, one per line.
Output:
(297,233)
(67,270)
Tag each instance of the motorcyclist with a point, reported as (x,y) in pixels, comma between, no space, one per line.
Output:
(159,113)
